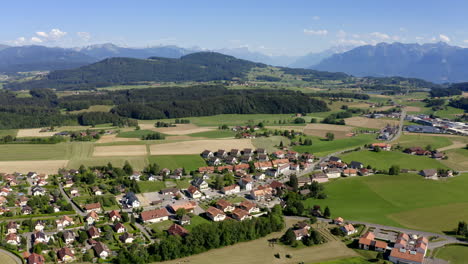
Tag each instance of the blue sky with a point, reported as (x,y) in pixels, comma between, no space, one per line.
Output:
(292,27)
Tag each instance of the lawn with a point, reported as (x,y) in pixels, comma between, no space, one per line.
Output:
(322,147)
(189,162)
(269,143)
(161,226)
(195,221)
(401,201)
(449,113)
(356,260)
(456,254)
(215,134)
(135,133)
(147,186)
(385,159)
(6,259)
(423,140)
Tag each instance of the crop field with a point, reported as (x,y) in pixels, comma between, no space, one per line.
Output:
(355,260)
(134,133)
(189,162)
(198,146)
(422,140)
(110,151)
(24,166)
(456,254)
(269,143)
(34,132)
(180,129)
(378,123)
(385,159)
(8,132)
(320,130)
(322,147)
(115,138)
(215,134)
(399,200)
(33,151)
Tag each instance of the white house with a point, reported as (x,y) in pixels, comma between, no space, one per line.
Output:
(215,214)
(155,216)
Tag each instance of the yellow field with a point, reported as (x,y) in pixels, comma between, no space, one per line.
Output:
(34,132)
(126,150)
(114,138)
(359,121)
(320,130)
(180,129)
(39,166)
(198,146)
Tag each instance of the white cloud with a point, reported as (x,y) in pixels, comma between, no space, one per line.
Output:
(42,34)
(402,29)
(351,42)
(341,34)
(86,36)
(315,18)
(444,38)
(380,35)
(56,34)
(19,41)
(36,40)
(320,32)
(465,41)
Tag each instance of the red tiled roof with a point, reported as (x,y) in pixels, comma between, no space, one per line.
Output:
(153,214)
(178,230)
(406,255)
(92,206)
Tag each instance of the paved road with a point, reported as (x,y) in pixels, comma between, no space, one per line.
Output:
(75,207)
(400,128)
(144,231)
(432,245)
(13,256)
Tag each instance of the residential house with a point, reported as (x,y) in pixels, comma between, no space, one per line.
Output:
(65,254)
(96,207)
(215,214)
(177,230)
(437,155)
(64,221)
(338,221)
(263,157)
(283,168)
(221,153)
(206,169)
(245,158)
(135,176)
(240,214)
(231,160)
(224,205)
(130,200)
(189,206)
(94,232)
(119,228)
(214,161)
(301,233)
(248,152)
(235,153)
(36,259)
(155,216)
(231,189)
(278,154)
(193,192)
(225,168)
(68,236)
(249,206)
(402,255)
(429,173)
(185,220)
(101,250)
(114,215)
(126,238)
(13,239)
(74,192)
(22,201)
(307,157)
(356,165)
(165,172)
(246,183)
(265,165)
(279,162)
(335,159)
(26,210)
(96,190)
(333,173)
(292,155)
(259,176)
(261,193)
(304,180)
(261,151)
(207,154)
(320,177)
(348,229)
(294,166)
(37,191)
(68,184)
(170,191)
(39,226)
(201,184)
(241,167)
(40,237)
(368,242)
(92,218)
(12,227)
(349,172)
(382,146)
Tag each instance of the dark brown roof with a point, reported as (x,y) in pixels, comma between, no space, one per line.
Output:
(178,230)
(64,252)
(153,214)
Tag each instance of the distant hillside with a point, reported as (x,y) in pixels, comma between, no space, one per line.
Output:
(314,58)
(39,58)
(2,47)
(201,67)
(109,50)
(436,62)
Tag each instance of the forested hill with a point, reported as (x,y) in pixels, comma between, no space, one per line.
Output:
(201,67)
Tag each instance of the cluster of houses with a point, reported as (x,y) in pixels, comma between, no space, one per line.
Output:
(422,152)
(279,162)
(225,210)
(436,125)
(406,248)
(334,167)
(347,228)
(388,132)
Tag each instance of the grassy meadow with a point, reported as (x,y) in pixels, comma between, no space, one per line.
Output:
(385,159)
(399,200)
(413,140)
(321,147)
(455,254)
(135,133)
(189,162)
(215,134)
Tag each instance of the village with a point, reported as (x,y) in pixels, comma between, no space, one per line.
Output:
(78,216)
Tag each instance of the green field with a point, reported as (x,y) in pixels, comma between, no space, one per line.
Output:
(401,201)
(33,152)
(147,186)
(456,254)
(215,134)
(356,260)
(449,113)
(436,142)
(189,162)
(94,108)
(135,133)
(322,147)
(8,132)
(385,159)
(269,143)
(457,159)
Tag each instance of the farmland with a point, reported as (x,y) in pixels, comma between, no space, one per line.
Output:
(398,200)
(189,162)
(412,140)
(385,159)
(456,254)
(134,134)
(198,146)
(321,147)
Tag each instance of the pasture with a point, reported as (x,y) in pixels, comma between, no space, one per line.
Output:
(8,132)
(457,159)
(33,151)
(269,143)
(215,134)
(189,162)
(134,133)
(198,146)
(456,254)
(322,147)
(355,260)
(385,159)
(398,200)
(421,140)
(111,151)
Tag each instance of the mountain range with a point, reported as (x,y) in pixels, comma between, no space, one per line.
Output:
(436,62)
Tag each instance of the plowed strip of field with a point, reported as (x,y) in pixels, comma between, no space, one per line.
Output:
(127,150)
(34,132)
(359,121)
(180,129)
(39,166)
